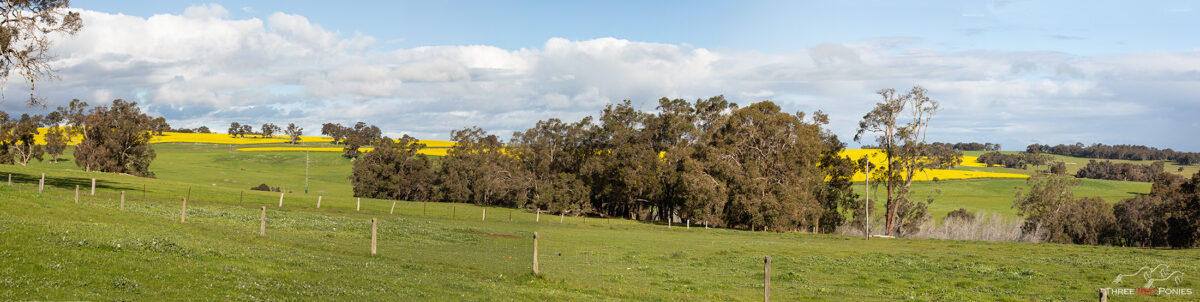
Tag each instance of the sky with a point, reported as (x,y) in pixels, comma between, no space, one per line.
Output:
(1008,72)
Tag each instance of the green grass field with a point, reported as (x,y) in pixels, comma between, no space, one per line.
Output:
(52,248)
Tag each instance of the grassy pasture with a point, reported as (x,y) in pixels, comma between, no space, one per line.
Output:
(1075,163)
(52,248)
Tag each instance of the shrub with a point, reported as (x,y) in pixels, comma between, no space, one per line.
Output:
(264,187)
(1050,207)
(960,214)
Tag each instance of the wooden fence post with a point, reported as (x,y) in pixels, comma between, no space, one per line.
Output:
(359,206)
(319,201)
(393,208)
(183,212)
(10,179)
(560,216)
(1103,295)
(281,199)
(76,193)
(453,209)
(484,215)
(510,215)
(122,200)
(42,183)
(689,224)
(539,216)
(93,186)
(262,222)
(424,207)
(535,257)
(374,226)
(767,279)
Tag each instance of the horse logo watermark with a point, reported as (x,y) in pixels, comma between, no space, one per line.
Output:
(1150,275)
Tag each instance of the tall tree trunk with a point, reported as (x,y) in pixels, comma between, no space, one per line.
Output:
(891,203)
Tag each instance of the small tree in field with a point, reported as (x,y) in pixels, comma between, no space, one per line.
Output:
(246,129)
(294,132)
(22,135)
(56,142)
(235,129)
(269,129)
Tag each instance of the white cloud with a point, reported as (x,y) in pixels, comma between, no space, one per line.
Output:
(202,67)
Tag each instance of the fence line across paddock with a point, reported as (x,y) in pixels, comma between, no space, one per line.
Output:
(521,251)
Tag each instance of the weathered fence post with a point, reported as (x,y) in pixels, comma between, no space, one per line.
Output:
(183,212)
(453,209)
(93,186)
(374,226)
(510,215)
(10,179)
(539,216)
(1103,295)
(767,279)
(76,193)
(262,222)
(122,200)
(281,199)
(689,224)
(393,208)
(484,215)
(424,207)
(535,262)
(560,217)
(358,207)
(42,183)
(319,201)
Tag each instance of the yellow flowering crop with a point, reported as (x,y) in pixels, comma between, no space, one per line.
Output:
(877,158)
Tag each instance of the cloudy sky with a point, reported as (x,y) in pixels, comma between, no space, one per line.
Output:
(1010,72)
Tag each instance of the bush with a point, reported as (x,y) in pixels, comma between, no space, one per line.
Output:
(1165,217)
(264,187)
(1050,208)
(1058,168)
(960,214)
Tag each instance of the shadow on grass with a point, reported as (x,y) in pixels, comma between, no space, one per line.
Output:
(66,182)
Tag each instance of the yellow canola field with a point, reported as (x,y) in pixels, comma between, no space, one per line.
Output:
(427,151)
(210,138)
(220,138)
(877,158)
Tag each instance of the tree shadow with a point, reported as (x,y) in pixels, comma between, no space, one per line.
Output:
(66,182)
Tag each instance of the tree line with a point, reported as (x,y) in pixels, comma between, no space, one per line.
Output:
(708,161)
(971,146)
(267,130)
(115,138)
(1120,171)
(1165,217)
(1014,160)
(1126,152)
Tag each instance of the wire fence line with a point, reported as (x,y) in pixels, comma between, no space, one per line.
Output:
(205,207)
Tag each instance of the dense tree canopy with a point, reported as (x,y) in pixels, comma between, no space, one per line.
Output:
(116,138)
(707,161)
